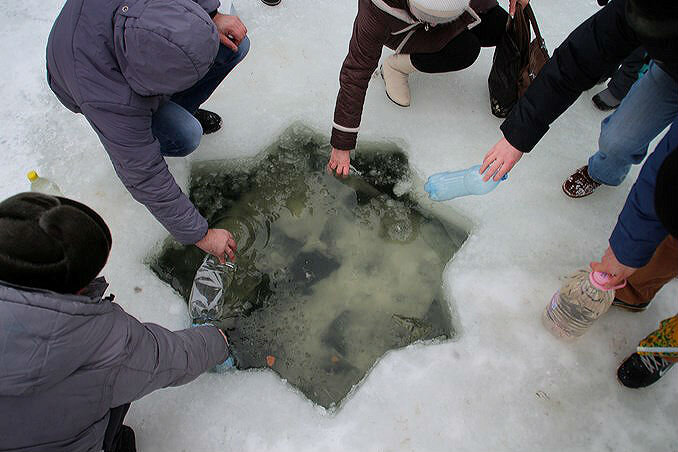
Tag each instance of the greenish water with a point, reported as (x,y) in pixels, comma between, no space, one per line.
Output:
(331,273)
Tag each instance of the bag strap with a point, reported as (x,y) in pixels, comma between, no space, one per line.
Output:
(519,27)
(533,20)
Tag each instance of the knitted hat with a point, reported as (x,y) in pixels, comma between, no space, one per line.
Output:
(164,47)
(51,243)
(438,11)
(653,20)
(666,193)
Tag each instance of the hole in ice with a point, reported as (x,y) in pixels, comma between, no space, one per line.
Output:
(331,273)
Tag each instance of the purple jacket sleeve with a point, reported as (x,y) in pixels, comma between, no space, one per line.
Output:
(157,358)
(126,135)
(639,232)
(209,6)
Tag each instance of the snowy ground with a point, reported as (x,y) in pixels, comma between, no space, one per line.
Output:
(505,384)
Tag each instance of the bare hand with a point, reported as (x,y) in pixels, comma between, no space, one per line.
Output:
(340,161)
(512,6)
(231,30)
(500,160)
(609,264)
(218,243)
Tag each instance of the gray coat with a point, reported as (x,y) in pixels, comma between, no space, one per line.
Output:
(66,360)
(116,62)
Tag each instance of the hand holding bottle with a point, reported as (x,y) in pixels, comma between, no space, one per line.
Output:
(609,264)
(219,243)
(500,160)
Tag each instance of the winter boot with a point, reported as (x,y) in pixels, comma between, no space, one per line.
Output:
(395,72)
(639,371)
(580,184)
(210,122)
(630,307)
(605,101)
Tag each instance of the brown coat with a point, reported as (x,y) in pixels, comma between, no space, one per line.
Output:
(373,29)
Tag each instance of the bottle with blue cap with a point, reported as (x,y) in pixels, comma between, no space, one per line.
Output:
(454,184)
(206,303)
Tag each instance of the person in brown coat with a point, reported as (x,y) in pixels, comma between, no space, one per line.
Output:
(430,36)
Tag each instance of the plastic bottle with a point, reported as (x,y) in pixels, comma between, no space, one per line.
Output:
(579,302)
(209,285)
(43,185)
(453,184)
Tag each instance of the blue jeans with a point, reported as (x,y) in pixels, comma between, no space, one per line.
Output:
(174,125)
(650,106)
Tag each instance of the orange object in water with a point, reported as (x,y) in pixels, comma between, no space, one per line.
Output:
(270,360)
(334,359)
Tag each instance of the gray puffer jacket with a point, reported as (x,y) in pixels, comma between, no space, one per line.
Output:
(66,360)
(116,62)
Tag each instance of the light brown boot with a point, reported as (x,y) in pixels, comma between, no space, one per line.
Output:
(395,72)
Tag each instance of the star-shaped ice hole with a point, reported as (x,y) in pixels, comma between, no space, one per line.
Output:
(331,273)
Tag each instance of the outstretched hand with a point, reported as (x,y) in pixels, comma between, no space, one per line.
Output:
(500,160)
(231,30)
(219,243)
(609,264)
(340,162)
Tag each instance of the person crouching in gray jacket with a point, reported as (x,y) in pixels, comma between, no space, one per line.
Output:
(71,361)
(139,70)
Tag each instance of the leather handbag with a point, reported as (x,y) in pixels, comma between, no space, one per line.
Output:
(516,61)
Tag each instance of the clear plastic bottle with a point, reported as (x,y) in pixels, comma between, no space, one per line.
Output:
(43,185)
(453,184)
(212,279)
(578,303)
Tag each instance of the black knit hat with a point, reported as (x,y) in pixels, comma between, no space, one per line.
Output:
(51,243)
(653,20)
(666,193)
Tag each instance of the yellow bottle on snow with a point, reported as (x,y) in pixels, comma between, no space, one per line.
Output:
(43,185)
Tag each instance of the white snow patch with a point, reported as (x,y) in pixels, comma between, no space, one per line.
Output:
(505,384)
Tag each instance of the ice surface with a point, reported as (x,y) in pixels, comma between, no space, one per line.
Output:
(330,273)
(505,384)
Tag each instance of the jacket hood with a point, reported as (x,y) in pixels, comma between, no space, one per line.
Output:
(164,47)
(46,336)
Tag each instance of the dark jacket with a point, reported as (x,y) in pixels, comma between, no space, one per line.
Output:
(639,232)
(595,48)
(373,29)
(116,61)
(66,360)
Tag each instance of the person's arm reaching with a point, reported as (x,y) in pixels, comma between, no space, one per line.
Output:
(367,41)
(157,358)
(126,135)
(593,49)
(638,231)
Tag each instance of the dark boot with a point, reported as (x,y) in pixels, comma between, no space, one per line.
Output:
(271,2)
(605,101)
(580,184)
(639,371)
(630,307)
(210,122)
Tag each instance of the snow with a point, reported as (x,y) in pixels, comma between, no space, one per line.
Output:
(505,384)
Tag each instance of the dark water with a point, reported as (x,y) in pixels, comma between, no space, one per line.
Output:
(331,273)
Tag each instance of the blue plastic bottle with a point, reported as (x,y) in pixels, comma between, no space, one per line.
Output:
(453,184)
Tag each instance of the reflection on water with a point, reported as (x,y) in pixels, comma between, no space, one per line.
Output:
(331,273)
